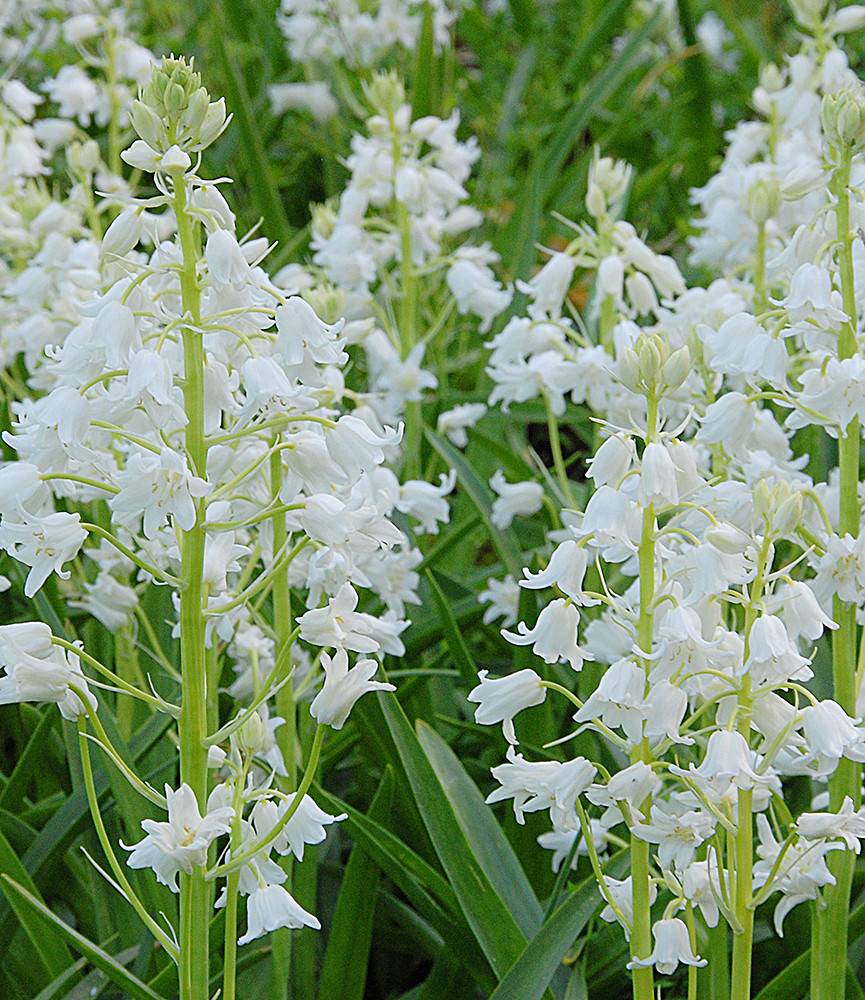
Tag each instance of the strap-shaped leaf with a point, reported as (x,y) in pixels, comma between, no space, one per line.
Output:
(484,835)
(131,986)
(534,969)
(490,920)
(344,970)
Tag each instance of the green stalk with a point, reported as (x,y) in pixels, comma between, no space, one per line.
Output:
(287,732)
(229,966)
(743,849)
(407,321)
(717,973)
(828,974)
(641,932)
(761,303)
(195,894)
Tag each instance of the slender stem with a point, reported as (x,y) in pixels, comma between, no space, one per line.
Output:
(743,853)
(195,893)
(309,774)
(718,969)
(761,302)
(641,935)
(105,841)
(232,891)
(285,706)
(828,975)
(556,449)
(407,319)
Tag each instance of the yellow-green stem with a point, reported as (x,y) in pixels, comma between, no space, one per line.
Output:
(761,302)
(195,893)
(641,932)
(829,926)
(286,709)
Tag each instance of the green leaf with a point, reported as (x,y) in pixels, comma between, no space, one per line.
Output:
(423,101)
(265,191)
(489,845)
(344,970)
(504,541)
(534,969)
(549,161)
(118,975)
(48,949)
(452,635)
(67,976)
(30,759)
(792,980)
(491,922)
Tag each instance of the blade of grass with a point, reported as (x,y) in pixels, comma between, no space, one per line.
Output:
(344,969)
(118,975)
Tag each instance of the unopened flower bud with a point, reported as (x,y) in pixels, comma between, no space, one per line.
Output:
(809,13)
(762,200)
(788,514)
(123,233)
(147,124)
(213,124)
(676,368)
(843,116)
(250,736)
(385,93)
(771,78)
(327,301)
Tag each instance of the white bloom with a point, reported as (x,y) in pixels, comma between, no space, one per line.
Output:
(157,486)
(42,543)
(565,570)
(672,946)
(513,499)
(500,699)
(181,842)
(554,637)
(453,423)
(270,907)
(342,688)
(306,826)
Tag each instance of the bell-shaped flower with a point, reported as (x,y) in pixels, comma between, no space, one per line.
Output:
(619,700)
(728,761)
(848,825)
(342,687)
(772,657)
(565,570)
(38,671)
(306,826)
(42,543)
(554,637)
(157,486)
(499,699)
(546,784)
(672,946)
(180,843)
(678,834)
(514,499)
(622,891)
(658,484)
(831,733)
(271,907)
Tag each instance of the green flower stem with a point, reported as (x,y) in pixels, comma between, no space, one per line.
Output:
(407,320)
(232,892)
(285,707)
(761,302)
(743,852)
(828,973)
(235,864)
(641,934)
(105,841)
(195,893)
(717,973)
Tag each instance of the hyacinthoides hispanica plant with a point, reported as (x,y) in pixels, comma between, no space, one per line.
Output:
(718,568)
(396,249)
(193,431)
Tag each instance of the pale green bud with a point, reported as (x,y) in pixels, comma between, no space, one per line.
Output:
(771,78)
(762,200)
(809,13)
(676,369)
(327,301)
(147,124)
(385,93)
(323,219)
(213,124)
(843,116)
(250,736)
(628,369)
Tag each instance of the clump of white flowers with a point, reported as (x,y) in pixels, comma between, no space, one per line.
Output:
(194,437)
(707,562)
